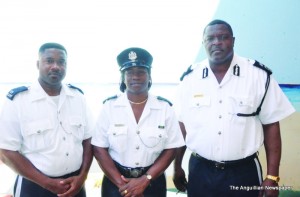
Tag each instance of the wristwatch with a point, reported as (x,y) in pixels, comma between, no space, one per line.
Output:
(148,176)
(273,178)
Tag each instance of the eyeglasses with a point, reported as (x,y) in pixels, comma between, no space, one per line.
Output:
(220,38)
(138,73)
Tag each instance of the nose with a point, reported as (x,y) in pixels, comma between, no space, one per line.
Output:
(55,66)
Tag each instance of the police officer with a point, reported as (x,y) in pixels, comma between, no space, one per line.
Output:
(45,131)
(136,133)
(229,106)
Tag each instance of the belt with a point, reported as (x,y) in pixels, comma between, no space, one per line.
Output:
(75,173)
(131,172)
(225,164)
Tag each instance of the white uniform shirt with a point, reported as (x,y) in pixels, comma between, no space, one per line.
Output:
(135,144)
(208,110)
(50,136)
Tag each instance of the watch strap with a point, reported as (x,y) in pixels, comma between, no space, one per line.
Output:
(273,178)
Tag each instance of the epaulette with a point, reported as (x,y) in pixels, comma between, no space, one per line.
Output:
(12,93)
(269,72)
(163,99)
(263,67)
(76,88)
(109,98)
(188,71)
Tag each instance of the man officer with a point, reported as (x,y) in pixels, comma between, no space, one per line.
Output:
(45,131)
(228,107)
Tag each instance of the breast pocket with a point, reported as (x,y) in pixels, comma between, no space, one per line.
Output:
(118,136)
(153,138)
(241,104)
(199,108)
(38,134)
(76,127)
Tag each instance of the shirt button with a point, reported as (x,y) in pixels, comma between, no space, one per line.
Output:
(137,163)
(219,132)
(39,131)
(137,147)
(137,132)
(67,154)
(220,101)
(114,133)
(220,116)
(64,138)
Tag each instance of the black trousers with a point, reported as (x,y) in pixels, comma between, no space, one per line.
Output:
(31,189)
(206,180)
(157,188)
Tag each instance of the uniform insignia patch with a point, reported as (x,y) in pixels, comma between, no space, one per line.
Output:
(110,98)
(205,73)
(76,88)
(12,93)
(163,99)
(236,70)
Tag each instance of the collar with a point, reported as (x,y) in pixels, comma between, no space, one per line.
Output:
(152,102)
(38,93)
(234,68)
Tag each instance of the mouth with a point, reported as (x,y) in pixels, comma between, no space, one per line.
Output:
(135,84)
(216,50)
(54,75)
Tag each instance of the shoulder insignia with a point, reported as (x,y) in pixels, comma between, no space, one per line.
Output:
(263,67)
(76,88)
(110,98)
(12,93)
(163,99)
(188,71)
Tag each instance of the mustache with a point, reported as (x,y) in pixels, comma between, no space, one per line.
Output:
(55,73)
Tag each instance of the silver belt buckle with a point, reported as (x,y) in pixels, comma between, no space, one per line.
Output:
(135,173)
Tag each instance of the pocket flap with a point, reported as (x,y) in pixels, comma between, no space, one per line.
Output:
(37,127)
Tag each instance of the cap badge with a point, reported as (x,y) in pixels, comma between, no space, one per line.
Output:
(132,55)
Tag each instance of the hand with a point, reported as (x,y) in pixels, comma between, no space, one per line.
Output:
(55,186)
(134,186)
(75,184)
(179,180)
(269,192)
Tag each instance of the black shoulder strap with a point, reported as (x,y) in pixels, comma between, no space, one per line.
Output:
(76,88)
(269,72)
(188,71)
(163,99)
(12,93)
(263,67)
(110,98)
